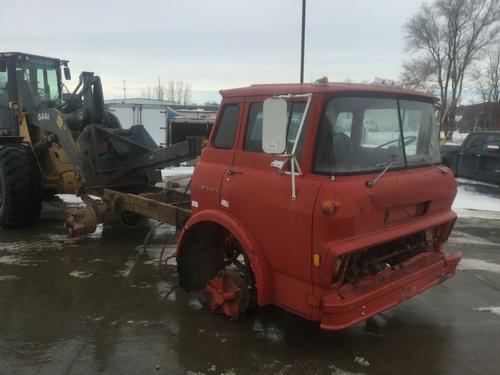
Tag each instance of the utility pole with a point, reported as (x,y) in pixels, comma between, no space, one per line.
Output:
(159,89)
(124,90)
(303,41)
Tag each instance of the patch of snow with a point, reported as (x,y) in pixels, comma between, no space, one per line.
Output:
(361,361)
(42,244)
(338,371)
(458,137)
(80,274)
(9,259)
(492,309)
(126,271)
(16,260)
(142,285)
(478,264)
(194,303)
(168,174)
(9,277)
(470,203)
(73,201)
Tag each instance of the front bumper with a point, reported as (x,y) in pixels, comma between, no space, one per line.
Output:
(352,304)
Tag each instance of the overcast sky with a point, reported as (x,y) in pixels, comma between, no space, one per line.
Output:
(211,44)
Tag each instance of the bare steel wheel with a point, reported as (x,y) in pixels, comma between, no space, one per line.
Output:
(232,291)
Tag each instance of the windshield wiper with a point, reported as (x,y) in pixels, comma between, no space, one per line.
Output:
(374,181)
(431,163)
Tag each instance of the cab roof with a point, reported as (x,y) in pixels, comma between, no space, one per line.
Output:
(328,88)
(30,56)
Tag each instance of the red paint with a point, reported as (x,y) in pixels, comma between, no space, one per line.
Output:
(331,218)
(225,296)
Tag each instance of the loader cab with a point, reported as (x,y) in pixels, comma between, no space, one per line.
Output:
(34,82)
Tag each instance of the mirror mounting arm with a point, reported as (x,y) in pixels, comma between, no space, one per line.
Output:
(294,164)
(295,171)
(293,158)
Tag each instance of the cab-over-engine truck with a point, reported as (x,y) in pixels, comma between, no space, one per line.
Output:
(326,199)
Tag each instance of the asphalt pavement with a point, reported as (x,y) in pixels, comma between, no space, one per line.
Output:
(98,305)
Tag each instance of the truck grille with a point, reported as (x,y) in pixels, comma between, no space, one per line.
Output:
(373,260)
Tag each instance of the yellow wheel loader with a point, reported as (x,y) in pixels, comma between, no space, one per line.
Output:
(53,142)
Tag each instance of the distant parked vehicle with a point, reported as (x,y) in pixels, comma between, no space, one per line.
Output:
(477,158)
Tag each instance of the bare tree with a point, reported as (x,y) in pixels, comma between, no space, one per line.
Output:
(486,80)
(420,74)
(447,36)
(175,91)
(147,93)
(179,92)
(186,96)
(157,92)
(171,91)
(487,77)
(480,83)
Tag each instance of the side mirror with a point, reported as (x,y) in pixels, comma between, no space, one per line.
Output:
(492,148)
(3,67)
(67,73)
(274,125)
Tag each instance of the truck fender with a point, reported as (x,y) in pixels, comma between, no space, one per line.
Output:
(244,236)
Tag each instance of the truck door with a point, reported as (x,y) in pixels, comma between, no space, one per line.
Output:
(470,155)
(257,193)
(216,160)
(489,166)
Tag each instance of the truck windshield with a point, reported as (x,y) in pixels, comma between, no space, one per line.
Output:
(37,83)
(364,134)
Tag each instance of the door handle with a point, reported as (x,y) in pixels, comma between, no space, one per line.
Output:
(232,172)
(478,154)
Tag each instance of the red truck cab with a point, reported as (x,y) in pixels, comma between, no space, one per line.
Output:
(327,200)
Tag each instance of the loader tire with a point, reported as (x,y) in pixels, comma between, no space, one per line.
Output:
(20,187)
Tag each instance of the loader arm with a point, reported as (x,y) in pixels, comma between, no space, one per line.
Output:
(113,157)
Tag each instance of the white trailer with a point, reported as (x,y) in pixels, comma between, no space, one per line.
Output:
(152,114)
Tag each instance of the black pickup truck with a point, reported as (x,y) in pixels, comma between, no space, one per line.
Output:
(477,158)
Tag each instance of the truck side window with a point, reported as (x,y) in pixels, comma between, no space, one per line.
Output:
(419,128)
(474,143)
(493,138)
(253,138)
(295,117)
(225,132)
